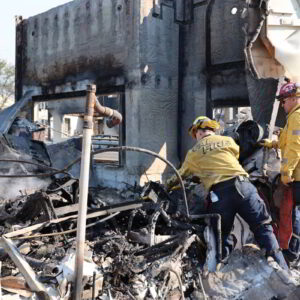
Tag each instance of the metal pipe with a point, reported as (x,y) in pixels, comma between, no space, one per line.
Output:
(137,149)
(114,115)
(83,188)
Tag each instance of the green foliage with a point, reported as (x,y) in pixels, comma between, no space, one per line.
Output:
(7,82)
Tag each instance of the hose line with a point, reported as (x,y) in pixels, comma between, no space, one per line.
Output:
(112,149)
(142,150)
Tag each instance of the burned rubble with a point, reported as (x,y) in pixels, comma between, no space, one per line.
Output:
(156,65)
(142,242)
(140,245)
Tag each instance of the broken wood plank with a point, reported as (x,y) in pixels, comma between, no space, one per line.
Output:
(60,211)
(23,293)
(12,297)
(64,232)
(36,226)
(13,282)
(22,265)
(102,212)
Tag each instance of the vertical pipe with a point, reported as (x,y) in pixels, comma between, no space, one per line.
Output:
(83,188)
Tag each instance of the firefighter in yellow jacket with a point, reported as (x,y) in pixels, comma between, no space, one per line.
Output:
(289,144)
(214,160)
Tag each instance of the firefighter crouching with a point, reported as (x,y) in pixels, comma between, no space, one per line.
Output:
(214,160)
(289,144)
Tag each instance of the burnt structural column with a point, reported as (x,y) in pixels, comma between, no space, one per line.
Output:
(19,59)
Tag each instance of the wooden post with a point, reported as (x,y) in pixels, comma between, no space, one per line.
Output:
(22,265)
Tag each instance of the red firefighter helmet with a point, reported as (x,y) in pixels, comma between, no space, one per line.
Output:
(289,89)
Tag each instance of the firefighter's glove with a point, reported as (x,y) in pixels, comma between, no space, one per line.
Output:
(195,179)
(175,188)
(268,143)
(170,183)
(278,132)
(286,179)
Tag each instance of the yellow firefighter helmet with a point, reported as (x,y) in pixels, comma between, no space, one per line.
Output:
(203,122)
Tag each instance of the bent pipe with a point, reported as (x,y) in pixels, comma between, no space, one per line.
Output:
(137,149)
(115,117)
(112,149)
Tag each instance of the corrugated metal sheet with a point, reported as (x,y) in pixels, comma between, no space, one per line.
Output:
(283,31)
(8,115)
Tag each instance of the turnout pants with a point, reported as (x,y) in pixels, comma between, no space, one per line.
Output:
(285,228)
(239,195)
(294,244)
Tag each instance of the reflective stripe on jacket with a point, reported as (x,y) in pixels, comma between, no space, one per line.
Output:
(289,144)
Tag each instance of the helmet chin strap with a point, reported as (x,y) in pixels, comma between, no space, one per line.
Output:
(208,134)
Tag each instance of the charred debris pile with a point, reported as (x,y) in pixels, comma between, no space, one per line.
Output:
(139,245)
(141,242)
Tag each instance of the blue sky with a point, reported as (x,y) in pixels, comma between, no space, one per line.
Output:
(11,8)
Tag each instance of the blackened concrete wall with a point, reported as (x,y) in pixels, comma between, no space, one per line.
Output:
(214,68)
(80,40)
(169,73)
(111,43)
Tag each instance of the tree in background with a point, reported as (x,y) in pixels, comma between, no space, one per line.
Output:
(7,83)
